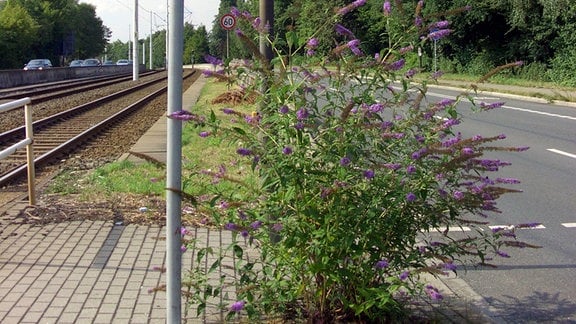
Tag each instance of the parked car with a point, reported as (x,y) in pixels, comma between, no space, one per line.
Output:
(91,62)
(108,63)
(76,63)
(122,62)
(38,64)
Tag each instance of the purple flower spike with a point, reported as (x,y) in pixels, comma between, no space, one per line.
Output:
(235,12)
(183,115)
(439,34)
(441,24)
(354,43)
(494,105)
(395,66)
(352,6)
(204,134)
(213,60)
(356,50)
(302,113)
(284,109)
(256,23)
(418,21)
(369,174)
(256,225)
(237,306)
(386,8)
(381,264)
(404,275)
(410,197)
(287,150)
(343,31)
(312,43)
(345,161)
(502,254)
(433,293)
(458,195)
(243,151)
(467,151)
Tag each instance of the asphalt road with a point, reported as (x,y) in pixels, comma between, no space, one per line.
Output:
(534,285)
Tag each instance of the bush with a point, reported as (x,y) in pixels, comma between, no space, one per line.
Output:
(361,185)
(534,71)
(563,71)
(479,65)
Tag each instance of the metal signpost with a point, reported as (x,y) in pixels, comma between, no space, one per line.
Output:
(227,22)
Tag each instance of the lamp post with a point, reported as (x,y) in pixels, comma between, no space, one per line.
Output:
(174,166)
(135,44)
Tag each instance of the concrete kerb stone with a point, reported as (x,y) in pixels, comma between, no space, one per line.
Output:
(153,142)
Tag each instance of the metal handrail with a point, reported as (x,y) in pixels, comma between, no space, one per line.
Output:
(28,142)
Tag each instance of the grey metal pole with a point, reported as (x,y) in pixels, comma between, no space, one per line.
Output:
(174,166)
(267,17)
(151,57)
(135,44)
(435,57)
(129,41)
(167,33)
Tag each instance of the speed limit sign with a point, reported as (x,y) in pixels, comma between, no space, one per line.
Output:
(227,21)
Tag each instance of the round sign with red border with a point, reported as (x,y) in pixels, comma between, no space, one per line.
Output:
(228,21)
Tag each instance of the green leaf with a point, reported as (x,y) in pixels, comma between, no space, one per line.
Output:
(239,130)
(238,252)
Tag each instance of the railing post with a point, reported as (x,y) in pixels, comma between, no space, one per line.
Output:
(28,142)
(30,156)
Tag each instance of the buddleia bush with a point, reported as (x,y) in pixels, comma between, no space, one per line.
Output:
(362,178)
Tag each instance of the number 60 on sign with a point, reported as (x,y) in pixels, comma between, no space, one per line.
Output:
(227,21)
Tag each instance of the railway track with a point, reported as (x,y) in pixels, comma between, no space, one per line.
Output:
(58,135)
(44,92)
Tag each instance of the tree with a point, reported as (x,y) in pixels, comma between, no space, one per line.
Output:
(196,46)
(17,34)
(117,50)
(92,37)
(61,29)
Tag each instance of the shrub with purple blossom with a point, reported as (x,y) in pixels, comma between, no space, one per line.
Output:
(358,187)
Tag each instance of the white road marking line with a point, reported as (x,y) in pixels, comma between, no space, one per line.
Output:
(562,153)
(540,112)
(569,225)
(459,229)
(487,98)
(509,227)
(431,93)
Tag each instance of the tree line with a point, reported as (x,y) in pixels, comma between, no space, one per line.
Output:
(485,34)
(59,30)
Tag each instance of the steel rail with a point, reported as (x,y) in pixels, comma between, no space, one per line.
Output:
(43,159)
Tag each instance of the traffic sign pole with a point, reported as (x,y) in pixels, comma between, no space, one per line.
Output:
(227,22)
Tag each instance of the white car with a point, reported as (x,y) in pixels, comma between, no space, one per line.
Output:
(122,62)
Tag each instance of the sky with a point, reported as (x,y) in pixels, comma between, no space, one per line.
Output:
(118,15)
